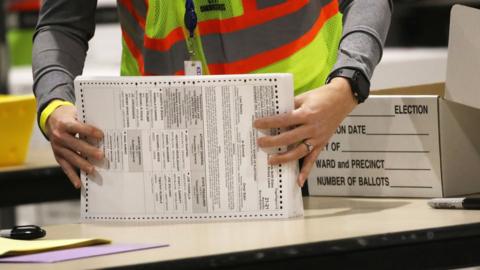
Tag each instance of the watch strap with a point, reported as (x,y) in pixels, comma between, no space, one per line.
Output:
(358,82)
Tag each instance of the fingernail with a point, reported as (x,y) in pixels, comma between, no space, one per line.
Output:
(77,185)
(99,154)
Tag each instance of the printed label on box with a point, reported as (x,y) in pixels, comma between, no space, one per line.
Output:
(388,146)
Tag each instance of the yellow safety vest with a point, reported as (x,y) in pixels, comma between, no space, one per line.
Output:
(233,36)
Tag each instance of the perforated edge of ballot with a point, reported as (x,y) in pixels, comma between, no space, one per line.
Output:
(183,148)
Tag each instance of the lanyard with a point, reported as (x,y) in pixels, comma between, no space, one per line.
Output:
(191,66)
(190,20)
(190,17)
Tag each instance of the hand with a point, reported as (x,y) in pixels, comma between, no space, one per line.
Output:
(316,116)
(61,127)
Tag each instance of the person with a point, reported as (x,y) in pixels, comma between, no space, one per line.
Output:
(314,40)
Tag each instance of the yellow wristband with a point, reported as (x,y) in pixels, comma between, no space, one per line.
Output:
(49,110)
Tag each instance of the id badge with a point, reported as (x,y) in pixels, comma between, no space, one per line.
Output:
(193,67)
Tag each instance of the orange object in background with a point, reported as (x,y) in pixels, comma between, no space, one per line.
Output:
(23,5)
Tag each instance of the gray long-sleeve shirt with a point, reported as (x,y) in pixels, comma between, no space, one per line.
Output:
(65,27)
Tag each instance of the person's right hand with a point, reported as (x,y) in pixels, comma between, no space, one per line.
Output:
(61,127)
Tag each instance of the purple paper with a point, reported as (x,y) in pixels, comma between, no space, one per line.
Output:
(77,253)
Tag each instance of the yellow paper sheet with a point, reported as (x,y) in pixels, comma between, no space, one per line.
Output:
(10,247)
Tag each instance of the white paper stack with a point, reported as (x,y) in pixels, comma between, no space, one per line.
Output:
(182,148)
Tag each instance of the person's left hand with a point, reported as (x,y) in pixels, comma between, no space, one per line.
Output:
(316,116)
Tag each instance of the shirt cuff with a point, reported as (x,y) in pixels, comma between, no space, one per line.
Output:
(49,110)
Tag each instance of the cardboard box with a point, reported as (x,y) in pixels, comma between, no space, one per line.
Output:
(419,141)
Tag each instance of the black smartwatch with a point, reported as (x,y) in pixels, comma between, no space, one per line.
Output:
(358,82)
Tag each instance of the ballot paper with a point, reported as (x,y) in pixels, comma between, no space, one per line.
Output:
(183,148)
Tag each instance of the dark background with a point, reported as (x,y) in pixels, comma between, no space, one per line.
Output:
(422,23)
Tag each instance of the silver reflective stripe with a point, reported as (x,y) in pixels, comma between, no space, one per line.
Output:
(165,63)
(140,7)
(261,4)
(131,26)
(224,48)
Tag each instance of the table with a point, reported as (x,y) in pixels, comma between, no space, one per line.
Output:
(40,179)
(335,232)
